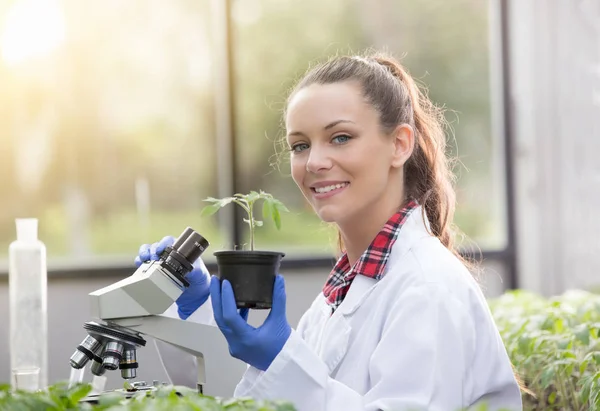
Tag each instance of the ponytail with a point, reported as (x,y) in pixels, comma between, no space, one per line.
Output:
(427,174)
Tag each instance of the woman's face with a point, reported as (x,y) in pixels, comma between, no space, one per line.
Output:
(341,159)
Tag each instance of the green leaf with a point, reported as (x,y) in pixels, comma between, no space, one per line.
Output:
(559,326)
(210,210)
(78,392)
(279,205)
(583,367)
(225,201)
(524,345)
(547,376)
(212,200)
(552,397)
(583,334)
(276,216)
(593,356)
(267,209)
(584,394)
(252,197)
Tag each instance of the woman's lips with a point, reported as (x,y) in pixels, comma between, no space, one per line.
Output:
(328,194)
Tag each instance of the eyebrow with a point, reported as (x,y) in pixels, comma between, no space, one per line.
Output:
(327,127)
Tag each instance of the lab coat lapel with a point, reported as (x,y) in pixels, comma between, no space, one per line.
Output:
(336,334)
(337,328)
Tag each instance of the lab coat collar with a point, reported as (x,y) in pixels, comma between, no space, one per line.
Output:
(414,229)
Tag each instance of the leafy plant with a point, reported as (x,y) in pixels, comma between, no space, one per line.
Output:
(555,347)
(272,208)
(61,398)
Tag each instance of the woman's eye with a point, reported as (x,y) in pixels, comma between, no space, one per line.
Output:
(299,147)
(341,139)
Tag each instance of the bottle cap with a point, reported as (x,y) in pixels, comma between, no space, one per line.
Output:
(27,229)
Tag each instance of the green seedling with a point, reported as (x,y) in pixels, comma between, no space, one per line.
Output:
(272,208)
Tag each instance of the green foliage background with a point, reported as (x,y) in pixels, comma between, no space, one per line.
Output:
(129,99)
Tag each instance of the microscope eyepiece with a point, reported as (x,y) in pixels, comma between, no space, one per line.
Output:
(184,236)
(193,247)
(179,258)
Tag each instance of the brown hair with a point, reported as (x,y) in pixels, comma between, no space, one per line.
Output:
(389,88)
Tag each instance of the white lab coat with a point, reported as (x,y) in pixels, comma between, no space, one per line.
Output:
(421,338)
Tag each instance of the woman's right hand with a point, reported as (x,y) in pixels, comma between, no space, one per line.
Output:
(199,290)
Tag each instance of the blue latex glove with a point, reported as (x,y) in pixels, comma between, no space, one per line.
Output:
(193,296)
(255,346)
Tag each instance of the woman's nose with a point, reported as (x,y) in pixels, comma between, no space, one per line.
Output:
(318,160)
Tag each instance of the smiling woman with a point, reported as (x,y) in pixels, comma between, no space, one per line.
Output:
(367,150)
(32,29)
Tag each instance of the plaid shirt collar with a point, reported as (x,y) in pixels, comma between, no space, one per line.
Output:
(371,263)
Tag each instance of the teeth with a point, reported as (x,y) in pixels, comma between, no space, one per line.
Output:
(329,188)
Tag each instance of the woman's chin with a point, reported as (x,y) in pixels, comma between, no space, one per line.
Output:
(328,215)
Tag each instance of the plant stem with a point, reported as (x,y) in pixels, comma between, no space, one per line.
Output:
(248,208)
(251,215)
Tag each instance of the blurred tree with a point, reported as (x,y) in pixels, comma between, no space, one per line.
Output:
(130,89)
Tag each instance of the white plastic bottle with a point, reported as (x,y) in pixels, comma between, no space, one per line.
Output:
(28,308)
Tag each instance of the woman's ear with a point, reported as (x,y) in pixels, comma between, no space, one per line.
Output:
(404,143)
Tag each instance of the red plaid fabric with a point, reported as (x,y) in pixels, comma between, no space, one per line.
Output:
(371,263)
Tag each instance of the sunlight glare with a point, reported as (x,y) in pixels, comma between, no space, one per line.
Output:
(33,28)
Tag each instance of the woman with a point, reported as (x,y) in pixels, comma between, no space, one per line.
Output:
(400,324)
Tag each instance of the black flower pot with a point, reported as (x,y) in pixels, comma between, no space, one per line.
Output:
(251,274)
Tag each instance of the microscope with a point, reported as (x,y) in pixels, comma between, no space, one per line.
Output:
(135,306)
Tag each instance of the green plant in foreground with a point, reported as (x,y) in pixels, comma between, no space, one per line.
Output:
(59,397)
(272,208)
(555,347)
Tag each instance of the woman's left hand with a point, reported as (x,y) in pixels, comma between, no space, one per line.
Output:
(255,346)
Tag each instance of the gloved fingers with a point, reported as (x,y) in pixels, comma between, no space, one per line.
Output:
(199,265)
(144,252)
(199,275)
(231,316)
(156,249)
(279,297)
(244,313)
(138,261)
(197,278)
(215,299)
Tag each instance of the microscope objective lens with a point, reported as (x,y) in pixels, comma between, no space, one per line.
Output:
(85,352)
(97,367)
(112,355)
(129,364)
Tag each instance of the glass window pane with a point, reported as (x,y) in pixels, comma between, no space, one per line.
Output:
(444,44)
(107,108)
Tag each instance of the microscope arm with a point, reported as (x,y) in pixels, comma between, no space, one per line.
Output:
(194,338)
